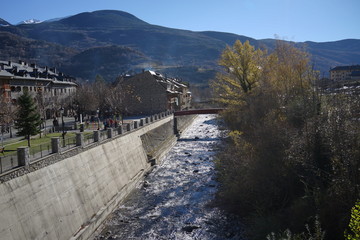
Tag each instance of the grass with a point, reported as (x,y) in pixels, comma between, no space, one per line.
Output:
(37,143)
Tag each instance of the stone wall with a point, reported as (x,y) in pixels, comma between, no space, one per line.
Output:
(70,197)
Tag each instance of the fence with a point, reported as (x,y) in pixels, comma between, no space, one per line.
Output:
(23,156)
(88,139)
(68,142)
(39,151)
(103,134)
(8,162)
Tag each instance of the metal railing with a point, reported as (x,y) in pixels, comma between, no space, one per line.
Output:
(88,139)
(68,142)
(8,161)
(39,151)
(103,134)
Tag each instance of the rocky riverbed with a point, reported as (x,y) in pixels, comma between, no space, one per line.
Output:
(175,199)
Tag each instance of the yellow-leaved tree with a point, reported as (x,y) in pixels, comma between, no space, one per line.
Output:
(243,66)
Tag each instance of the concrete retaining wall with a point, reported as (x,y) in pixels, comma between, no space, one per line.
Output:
(157,141)
(69,198)
(184,121)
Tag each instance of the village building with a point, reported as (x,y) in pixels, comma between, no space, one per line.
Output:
(151,92)
(47,85)
(345,73)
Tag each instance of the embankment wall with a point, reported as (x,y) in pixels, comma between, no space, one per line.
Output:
(70,197)
(157,141)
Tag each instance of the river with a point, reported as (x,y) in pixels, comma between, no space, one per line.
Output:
(175,199)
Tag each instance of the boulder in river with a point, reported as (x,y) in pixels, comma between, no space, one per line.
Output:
(190,228)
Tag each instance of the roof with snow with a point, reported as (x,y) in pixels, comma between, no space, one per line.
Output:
(23,70)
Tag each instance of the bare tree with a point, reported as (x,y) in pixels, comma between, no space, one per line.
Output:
(7,114)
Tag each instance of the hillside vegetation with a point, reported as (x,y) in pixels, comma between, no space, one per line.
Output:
(293,155)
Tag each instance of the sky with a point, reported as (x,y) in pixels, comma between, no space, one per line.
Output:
(292,20)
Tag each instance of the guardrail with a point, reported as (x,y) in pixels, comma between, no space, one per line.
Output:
(24,155)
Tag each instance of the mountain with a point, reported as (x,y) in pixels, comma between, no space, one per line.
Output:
(101,40)
(30,21)
(331,54)
(14,47)
(4,23)
(119,60)
(102,28)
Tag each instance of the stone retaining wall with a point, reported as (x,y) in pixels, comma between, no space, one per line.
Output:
(68,195)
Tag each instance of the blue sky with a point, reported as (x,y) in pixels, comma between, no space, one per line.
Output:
(294,20)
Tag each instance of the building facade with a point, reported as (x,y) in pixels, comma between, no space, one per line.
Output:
(48,86)
(345,73)
(155,93)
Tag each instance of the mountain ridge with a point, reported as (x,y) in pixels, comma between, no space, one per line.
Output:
(164,48)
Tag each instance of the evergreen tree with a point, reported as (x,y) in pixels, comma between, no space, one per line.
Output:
(28,119)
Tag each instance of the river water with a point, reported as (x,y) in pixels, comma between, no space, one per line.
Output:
(175,199)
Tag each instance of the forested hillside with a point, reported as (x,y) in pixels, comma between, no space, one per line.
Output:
(190,55)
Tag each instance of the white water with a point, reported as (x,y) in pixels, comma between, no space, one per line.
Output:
(173,201)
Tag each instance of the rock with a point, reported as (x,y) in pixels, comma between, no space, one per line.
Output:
(196,138)
(146,184)
(196,171)
(190,228)
(229,235)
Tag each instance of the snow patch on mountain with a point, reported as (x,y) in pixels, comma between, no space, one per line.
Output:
(30,21)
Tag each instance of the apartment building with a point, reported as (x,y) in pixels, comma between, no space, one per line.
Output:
(345,73)
(47,84)
(156,93)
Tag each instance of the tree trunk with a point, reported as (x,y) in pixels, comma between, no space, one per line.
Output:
(28,138)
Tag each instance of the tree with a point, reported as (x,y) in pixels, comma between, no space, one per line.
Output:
(85,99)
(243,67)
(119,96)
(353,233)
(101,90)
(7,113)
(28,119)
